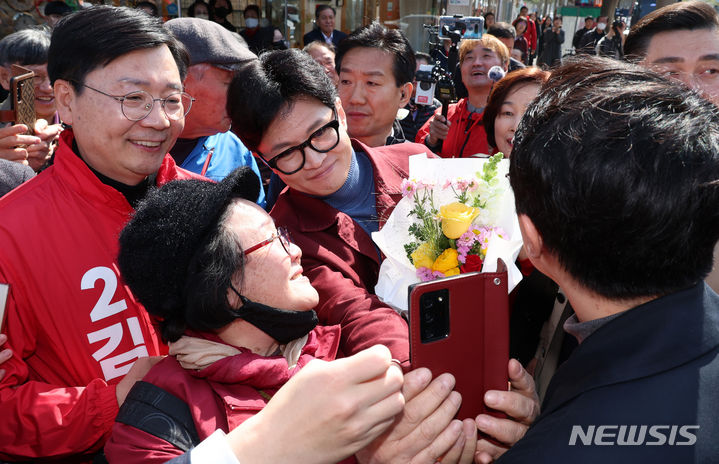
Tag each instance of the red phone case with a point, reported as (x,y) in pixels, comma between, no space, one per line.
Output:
(476,350)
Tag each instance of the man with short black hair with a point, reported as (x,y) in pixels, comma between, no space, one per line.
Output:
(681,41)
(79,339)
(506,33)
(376,67)
(340,191)
(325,30)
(588,26)
(418,113)
(258,38)
(588,42)
(617,204)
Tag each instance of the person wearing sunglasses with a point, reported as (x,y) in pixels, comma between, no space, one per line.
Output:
(228,289)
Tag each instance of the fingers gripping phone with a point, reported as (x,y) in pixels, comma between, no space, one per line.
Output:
(460,325)
(22,95)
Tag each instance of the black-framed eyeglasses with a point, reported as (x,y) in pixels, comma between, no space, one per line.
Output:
(285,240)
(322,140)
(137,105)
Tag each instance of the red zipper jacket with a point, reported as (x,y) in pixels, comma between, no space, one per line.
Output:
(74,327)
(466,135)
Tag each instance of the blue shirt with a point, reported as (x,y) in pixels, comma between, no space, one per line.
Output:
(356,197)
(228,153)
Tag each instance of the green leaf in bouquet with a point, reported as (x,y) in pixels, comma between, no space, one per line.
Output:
(410,248)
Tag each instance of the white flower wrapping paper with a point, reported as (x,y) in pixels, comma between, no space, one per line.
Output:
(397,272)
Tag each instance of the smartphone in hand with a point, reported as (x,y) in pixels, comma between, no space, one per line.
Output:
(460,325)
(22,97)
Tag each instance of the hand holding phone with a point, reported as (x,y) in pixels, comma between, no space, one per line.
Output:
(22,97)
(460,325)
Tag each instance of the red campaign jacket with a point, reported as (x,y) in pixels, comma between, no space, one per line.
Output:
(220,396)
(341,260)
(531,35)
(466,135)
(73,326)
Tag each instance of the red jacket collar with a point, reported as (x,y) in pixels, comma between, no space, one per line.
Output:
(73,170)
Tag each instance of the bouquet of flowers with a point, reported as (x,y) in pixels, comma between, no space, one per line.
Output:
(456,216)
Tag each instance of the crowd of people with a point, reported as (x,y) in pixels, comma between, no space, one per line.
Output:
(186,252)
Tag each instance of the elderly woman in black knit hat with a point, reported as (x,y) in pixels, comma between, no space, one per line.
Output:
(228,290)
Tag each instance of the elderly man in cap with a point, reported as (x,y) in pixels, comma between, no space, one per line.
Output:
(206,145)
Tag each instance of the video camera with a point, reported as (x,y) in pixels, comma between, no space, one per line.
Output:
(440,81)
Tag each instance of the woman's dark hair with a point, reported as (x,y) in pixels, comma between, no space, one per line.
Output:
(520,20)
(617,168)
(179,253)
(195,4)
(26,47)
(675,17)
(271,84)
(94,37)
(382,38)
(501,89)
(209,276)
(489,13)
(214,2)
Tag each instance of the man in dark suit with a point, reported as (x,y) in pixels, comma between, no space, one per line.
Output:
(325,30)
(617,204)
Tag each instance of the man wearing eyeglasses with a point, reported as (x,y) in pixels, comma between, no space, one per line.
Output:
(79,339)
(339,191)
(206,145)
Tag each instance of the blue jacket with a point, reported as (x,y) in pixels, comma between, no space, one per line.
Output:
(656,366)
(228,153)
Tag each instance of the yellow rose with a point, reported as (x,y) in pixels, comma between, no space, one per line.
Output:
(452,272)
(446,261)
(423,256)
(456,218)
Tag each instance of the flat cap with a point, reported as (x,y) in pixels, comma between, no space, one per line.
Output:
(208,42)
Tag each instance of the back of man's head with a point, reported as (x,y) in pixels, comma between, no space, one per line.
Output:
(26,47)
(389,40)
(263,88)
(618,169)
(94,37)
(502,30)
(676,17)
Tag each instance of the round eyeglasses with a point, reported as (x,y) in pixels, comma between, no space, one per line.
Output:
(292,160)
(137,105)
(285,240)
